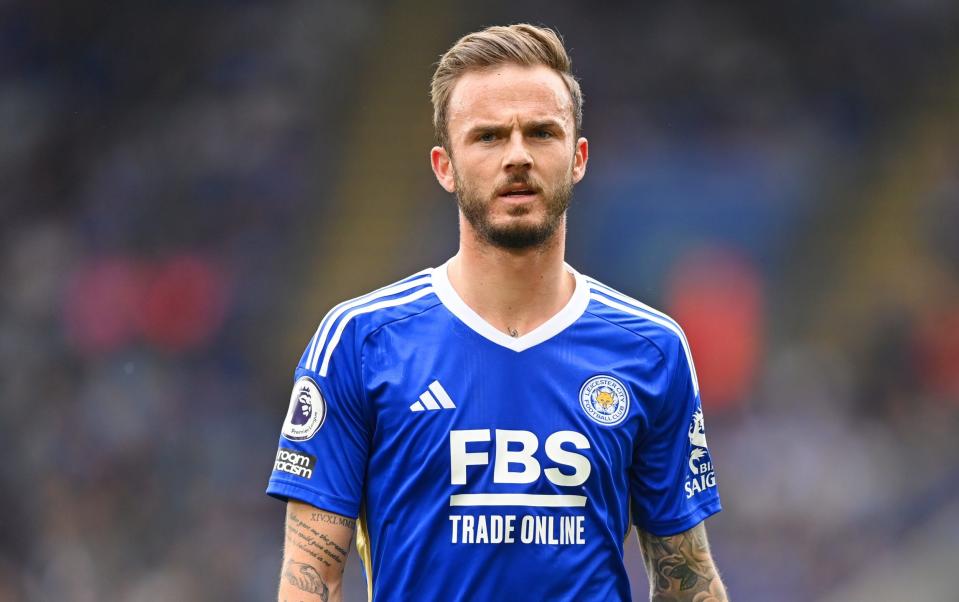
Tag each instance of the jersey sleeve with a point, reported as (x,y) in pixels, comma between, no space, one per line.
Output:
(323,445)
(672,481)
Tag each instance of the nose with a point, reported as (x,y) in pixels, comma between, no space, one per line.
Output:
(517,154)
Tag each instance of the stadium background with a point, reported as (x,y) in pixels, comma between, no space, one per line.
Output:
(188,186)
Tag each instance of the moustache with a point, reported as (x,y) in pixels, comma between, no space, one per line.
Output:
(519,180)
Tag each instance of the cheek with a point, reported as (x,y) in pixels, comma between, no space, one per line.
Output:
(477,171)
(478,163)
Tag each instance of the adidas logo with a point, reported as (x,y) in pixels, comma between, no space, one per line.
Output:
(436,398)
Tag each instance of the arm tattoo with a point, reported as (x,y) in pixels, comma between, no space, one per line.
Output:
(314,543)
(306,578)
(319,563)
(333,519)
(680,567)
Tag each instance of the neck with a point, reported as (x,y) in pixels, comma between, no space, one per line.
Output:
(514,290)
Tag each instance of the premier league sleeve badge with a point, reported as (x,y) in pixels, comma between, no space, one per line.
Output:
(307,411)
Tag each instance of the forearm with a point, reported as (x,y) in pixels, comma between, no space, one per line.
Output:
(680,567)
(314,555)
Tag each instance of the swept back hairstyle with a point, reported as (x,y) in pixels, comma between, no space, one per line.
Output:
(521,44)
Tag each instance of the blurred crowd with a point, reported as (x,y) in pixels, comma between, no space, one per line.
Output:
(780,178)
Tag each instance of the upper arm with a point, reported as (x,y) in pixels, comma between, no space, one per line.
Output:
(327,419)
(315,548)
(324,442)
(672,480)
(680,567)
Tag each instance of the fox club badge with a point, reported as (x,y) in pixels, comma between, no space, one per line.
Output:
(604,399)
(307,411)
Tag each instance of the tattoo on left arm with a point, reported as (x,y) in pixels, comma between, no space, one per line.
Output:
(680,567)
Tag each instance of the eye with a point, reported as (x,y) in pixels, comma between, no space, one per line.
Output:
(486,137)
(542,134)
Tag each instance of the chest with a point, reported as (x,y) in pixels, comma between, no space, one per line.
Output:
(464,410)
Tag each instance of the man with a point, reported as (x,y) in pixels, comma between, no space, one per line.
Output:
(495,425)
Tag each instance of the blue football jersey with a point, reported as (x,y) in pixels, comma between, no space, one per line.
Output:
(487,467)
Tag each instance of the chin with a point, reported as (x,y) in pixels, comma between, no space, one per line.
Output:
(519,234)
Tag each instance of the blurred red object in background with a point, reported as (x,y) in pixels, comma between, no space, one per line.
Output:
(177,305)
(101,303)
(716,296)
(184,304)
(937,353)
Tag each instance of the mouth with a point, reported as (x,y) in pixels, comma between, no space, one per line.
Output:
(518,193)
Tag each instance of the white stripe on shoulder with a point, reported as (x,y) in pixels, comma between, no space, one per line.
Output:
(365,310)
(662,321)
(319,338)
(610,291)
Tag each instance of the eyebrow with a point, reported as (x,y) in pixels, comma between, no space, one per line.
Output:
(537,124)
(483,128)
(542,124)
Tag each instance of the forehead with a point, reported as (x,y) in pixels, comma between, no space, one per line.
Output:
(506,92)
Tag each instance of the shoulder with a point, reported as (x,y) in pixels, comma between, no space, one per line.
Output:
(632,315)
(354,319)
(638,318)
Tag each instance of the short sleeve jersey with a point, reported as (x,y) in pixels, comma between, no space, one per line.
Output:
(487,467)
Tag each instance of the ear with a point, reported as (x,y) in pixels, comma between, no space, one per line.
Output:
(580,158)
(443,168)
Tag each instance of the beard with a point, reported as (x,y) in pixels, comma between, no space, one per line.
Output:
(516,235)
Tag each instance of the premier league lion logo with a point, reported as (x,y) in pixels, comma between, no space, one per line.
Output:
(307,411)
(305,407)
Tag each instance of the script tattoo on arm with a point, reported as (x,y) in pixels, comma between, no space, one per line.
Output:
(332,519)
(680,567)
(317,546)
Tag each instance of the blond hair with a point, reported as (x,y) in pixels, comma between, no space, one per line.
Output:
(521,44)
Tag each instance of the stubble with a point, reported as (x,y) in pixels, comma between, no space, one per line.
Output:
(517,235)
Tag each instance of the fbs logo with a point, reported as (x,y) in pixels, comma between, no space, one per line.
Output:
(703,476)
(513,449)
(307,411)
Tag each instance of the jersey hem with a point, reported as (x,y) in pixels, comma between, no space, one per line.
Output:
(285,491)
(683,523)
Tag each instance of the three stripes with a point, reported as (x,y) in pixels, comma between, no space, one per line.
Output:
(330,330)
(434,399)
(320,346)
(602,293)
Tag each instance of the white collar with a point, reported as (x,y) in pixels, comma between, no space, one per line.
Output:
(545,331)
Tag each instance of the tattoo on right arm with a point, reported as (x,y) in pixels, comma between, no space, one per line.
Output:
(306,578)
(333,519)
(317,546)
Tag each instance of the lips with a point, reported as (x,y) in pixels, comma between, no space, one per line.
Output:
(517,190)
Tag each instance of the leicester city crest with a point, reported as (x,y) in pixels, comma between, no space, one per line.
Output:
(307,411)
(604,399)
